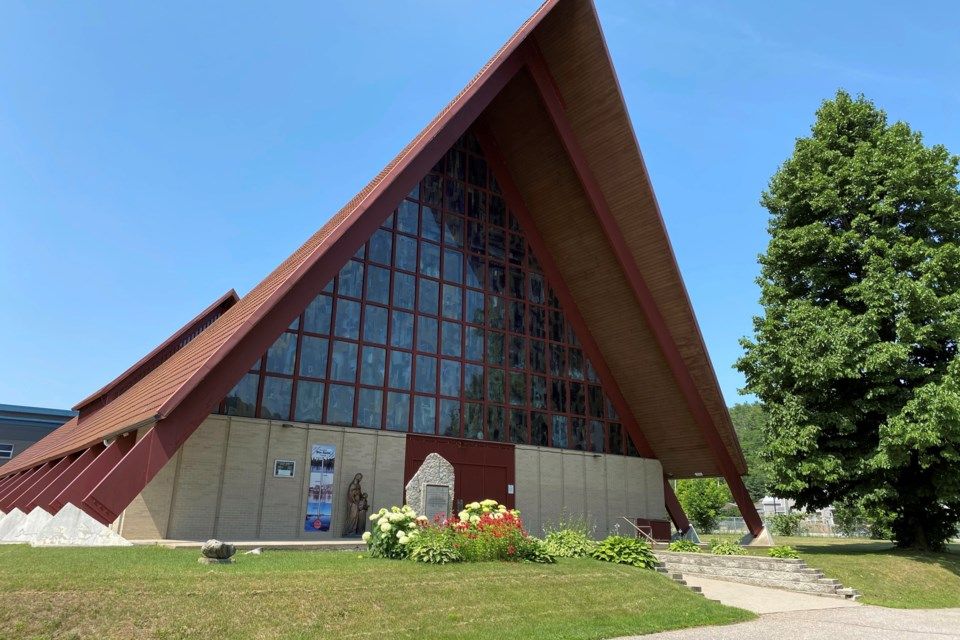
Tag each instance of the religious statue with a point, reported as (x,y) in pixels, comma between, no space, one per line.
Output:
(357,507)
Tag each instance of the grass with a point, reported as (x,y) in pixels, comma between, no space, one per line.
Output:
(886,576)
(149,592)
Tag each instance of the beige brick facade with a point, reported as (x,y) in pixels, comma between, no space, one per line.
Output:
(221,483)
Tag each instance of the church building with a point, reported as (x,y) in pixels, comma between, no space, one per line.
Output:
(503,293)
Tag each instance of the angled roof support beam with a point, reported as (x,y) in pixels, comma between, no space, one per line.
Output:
(28,500)
(680,520)
(514,199)
(20,483)
(8,481)
(80,462)
(552,102)
(99,467)
(26,492)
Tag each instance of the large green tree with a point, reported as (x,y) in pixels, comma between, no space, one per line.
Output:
(854,357)
(748,419)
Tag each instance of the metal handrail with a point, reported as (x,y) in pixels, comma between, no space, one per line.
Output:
(639,530)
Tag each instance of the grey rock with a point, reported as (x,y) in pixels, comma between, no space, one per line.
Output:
(217,550)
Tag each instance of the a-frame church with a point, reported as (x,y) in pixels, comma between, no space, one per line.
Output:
(503,293)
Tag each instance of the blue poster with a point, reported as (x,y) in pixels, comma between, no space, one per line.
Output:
(320,488)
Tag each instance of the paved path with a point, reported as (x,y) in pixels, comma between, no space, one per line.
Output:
(786,615)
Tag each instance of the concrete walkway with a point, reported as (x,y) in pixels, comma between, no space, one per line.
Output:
(764,599)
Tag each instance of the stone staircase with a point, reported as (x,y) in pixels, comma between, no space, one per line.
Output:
(778,573)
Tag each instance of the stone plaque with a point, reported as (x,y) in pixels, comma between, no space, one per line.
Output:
(436,500)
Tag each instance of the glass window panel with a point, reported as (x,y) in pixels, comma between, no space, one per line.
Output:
(558,360)
(536,321)
(558,395)
(473,421)
(475,237)
(388,223)
(494,385)
(430,259)
(496,242)
(426,334)
(552,299)
(538,361)
(477,171)
(536,288)
(450,378)
(452,304)
(256,365)
(347,324)
(430,219)
(518,352)
(281,355)
(398,411)
(519,431)
(450,339)
(596,401)
(242,399)
(498,211)
(578,434)
(497,277)
(295,324)
(276,398)
(592,375)
(518,389)
(432,192)
(328,288)
(559,431)
(426,380)
(375,324)
(378,284)
(407,217)
(343,362)
(454,200)
(474,344)
(313,357)
(452,266)
(372,364)
(369,408)
(629,447)
(596,436)
(450,418)
(415,192)
(381,246)
(406,253)
(515,250)
(424,414)
(453,230)
(494,348)
(429,297)
(340,404)
(616,438)
(401,329)
(538,392)
(476,203)
(474,307)
(475,272)
(361,252)
(403,290)
(557,330)
(578,399)
(611,410)
(309,401)
(495,425)
(456,164)
(351,279)
(400,365)
(576,364)
(316,319)
(516,317)
(538,429)
(495,312)
(515,283)
(473,382)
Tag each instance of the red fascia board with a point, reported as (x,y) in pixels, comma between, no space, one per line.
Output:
(222,303)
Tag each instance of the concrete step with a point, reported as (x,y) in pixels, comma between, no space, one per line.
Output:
(742,562)
(812,588)
(747,572)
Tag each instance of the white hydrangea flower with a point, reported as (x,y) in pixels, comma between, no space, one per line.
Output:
(489,503)
(411,525)
(385,527)
(474,519)
(473,505)
(366,536)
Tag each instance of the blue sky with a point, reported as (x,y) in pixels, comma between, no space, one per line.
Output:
(153,157)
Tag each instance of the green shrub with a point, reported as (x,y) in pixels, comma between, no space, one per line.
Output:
(685,546)
(535,550)
(783,551)
(702,500)
(726,548)
(569,543)
(623,550)
(435,545)
(787,524)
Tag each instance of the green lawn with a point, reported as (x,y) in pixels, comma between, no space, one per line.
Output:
(884,575)
(149,592)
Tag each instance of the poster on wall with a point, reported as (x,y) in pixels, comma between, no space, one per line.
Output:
(320,488)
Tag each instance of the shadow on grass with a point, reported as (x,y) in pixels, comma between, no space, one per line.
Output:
(949,559)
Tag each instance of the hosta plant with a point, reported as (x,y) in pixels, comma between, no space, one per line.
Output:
(783,551)
(684,546)
(726,548)
(569,543)
(623,550)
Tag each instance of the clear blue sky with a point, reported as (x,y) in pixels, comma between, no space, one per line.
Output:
(153,157)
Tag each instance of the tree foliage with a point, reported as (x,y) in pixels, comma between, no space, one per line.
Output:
(702,499)
(854,357)
(748,420)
